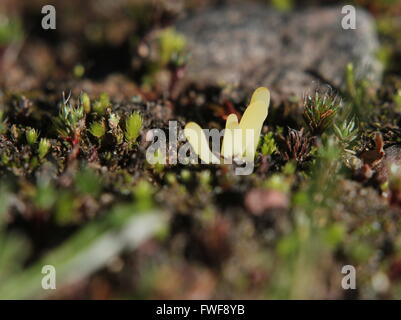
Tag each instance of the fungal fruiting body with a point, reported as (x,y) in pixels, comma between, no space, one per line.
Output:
(240,139)
(199,143)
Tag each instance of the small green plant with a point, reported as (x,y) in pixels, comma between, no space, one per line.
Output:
(319,111)
(346,132)
(185,175)
(171,45)
(70,121)
(133,125)
(268,144)
(101,104)
(98,129)
(43,148)
(31,136)
(171,55)
(85,102)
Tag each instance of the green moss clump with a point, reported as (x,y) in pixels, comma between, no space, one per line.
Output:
(133,125)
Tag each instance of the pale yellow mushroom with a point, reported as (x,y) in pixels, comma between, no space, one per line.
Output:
(261,94)
(231,145)
(252,121)
(239,139)
(199,143)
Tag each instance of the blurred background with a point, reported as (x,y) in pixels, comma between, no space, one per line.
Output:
(96,39)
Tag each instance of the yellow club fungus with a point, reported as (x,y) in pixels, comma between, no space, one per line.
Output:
(240,139)
(197,138)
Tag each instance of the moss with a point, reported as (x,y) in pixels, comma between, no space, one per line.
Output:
(268,146)
(85,102)
(319,111)
(133,125)
(43,148)
(31,136)
(100,105)
(97,129)
(69,121)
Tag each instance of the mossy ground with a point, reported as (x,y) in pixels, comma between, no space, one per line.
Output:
(284,231)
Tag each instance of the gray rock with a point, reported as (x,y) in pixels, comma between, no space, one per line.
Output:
(254,45)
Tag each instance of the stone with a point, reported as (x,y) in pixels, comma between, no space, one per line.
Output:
(253,45)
